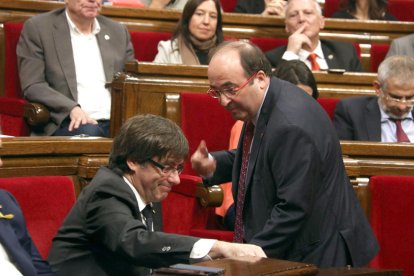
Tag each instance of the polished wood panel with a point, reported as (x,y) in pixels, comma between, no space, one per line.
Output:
(155,88)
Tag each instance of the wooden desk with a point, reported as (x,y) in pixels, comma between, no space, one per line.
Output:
(250,267)
(78,158)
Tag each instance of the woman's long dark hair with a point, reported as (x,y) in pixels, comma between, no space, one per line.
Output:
(188,11)
(376,11)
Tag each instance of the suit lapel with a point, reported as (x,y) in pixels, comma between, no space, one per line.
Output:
(104,39)
(330,57)
(63,46)
(373,121)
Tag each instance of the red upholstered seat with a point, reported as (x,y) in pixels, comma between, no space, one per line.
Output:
(183,214)
(228,5)
(145,44)
(202,118)
(378,53)
(392,208)
(45,202)
(329,104)
(330,7)
(11,105)
(266,44)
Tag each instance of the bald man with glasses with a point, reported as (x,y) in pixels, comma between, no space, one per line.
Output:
(386,117)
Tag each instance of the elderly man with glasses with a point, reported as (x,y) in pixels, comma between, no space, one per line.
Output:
(386,117)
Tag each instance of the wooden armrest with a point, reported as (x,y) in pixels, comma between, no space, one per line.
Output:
(36,114)
(209,196)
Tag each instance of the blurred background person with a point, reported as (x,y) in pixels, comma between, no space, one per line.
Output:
(198,31)
(402,46)
(364,10)
(263,7)
(65,57)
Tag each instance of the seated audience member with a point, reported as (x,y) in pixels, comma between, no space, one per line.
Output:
(198,31)
(65,57)
(263,7)
(18,253)
(364,10)
(402,46)
(293,71)
(304,21)
(387,117)
(115,226)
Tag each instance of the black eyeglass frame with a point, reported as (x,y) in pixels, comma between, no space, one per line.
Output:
(166,169)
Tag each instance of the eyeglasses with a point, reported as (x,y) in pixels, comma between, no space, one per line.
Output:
(404,100)
(167,170)
(229,92)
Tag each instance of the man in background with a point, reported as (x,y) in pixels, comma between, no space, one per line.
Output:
(65,57)
(304,21)
(386,117)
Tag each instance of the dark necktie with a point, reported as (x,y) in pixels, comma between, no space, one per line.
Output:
(247,140)
(147,213)
(314,64)
(401,135)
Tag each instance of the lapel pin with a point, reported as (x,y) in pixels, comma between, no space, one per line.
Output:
(107,37)
(8,216)
(330,57)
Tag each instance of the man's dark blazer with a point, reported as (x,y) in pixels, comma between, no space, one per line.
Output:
(16,240)
(338,55)
(103,234)
(250,6)
(47,67)
(299,204)
(358,118)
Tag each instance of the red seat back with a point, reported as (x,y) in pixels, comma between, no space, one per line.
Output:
(202,118)
(329,104)
(45,201)
(330,7)
(378,53)
(12,32)
(402,9)
(392,208)
(266,44)
(145,44)
(228,5)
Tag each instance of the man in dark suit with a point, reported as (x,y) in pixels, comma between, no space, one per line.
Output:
(18,253)
(376,118)
(298,202)
(65,57)
(108,231)
(402,46)
(304,21)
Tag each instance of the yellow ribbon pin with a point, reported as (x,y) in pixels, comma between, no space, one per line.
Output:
(8,216)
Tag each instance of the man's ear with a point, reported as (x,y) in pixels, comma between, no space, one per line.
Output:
(132,165)
(377,87)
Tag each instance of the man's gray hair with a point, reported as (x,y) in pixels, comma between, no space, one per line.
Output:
(398,68)
(318,7)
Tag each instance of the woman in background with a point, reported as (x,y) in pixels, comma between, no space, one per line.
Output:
(198,31)
(364,10)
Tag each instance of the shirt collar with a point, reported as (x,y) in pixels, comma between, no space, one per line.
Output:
(141,203)
(73,29)
(303,54)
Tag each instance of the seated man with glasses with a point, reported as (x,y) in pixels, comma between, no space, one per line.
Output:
(386,117)
(115,227)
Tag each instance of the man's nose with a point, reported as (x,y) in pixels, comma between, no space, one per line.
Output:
(224,100)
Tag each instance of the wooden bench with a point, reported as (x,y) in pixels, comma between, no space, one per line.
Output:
(155,88)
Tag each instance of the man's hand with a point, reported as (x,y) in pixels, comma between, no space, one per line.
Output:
(78,117)
(200,161)
(230,250)
(274,7)
(297,39)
